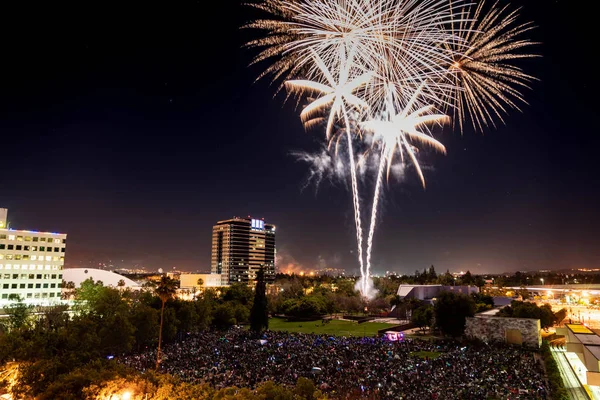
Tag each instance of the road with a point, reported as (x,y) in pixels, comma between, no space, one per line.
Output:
(572,384)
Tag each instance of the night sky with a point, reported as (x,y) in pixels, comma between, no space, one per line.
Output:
(135,128)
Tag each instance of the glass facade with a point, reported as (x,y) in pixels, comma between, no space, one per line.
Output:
(240,247)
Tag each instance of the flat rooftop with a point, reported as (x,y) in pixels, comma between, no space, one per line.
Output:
(578,328)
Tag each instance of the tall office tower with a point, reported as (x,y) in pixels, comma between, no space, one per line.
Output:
(240,247)
(31,264)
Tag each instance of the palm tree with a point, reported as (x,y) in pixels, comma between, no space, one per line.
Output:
(165,289)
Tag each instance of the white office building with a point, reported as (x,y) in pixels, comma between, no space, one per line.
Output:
(31,264)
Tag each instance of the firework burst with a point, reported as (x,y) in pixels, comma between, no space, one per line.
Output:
(485,81)
(386,67)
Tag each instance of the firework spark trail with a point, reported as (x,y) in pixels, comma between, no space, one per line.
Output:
(393,134)
(375,205)
(355,195)
(338,94)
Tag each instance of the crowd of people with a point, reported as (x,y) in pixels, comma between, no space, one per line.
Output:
(354,367)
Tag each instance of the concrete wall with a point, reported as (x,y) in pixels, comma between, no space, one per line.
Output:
(494,329)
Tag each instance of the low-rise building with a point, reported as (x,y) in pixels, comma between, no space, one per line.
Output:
(31,264)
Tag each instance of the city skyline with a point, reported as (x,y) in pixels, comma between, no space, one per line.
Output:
(120,151)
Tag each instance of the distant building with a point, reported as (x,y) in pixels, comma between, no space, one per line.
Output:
(190,281)
(31,264)
(240,247)
(429,292)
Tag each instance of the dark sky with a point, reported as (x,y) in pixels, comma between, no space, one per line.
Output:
(134,128)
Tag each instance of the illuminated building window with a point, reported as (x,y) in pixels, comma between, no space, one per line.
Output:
(9,256)
(11,237)
(47,268)
(28,238)
(34,257)
(48,258)
(26,248)
(55,258)
(34,248)
(1,256)
(42,239)
(23,276)
(17,256)
(19,238)
(25,257)
(8,266)
(56,240)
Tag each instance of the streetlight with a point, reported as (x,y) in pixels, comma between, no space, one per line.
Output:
(126,396)
(542,279)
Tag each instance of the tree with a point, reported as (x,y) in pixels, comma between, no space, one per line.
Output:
(560,315)
(121,283)
(483,302)
(200,282)
(431,275)
(446,279)
(19,314)
(451,311)
(467,279)
(423,316)
(259,316)
(239,292)
(145,320)
(165,290)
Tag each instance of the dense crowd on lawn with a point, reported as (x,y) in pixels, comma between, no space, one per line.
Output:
(353,367)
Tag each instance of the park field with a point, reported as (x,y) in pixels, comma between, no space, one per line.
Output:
(333,328)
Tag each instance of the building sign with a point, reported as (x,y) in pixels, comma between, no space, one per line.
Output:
(258,224)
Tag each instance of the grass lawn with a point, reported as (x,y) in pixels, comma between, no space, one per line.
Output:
(428,354)
(333,328)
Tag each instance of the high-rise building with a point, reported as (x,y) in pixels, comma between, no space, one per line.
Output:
(240,247)
(31,264)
